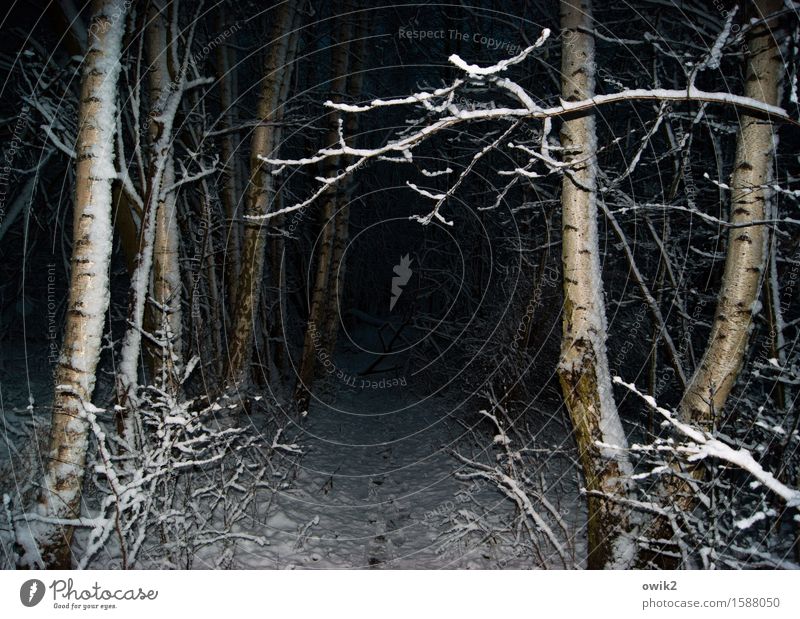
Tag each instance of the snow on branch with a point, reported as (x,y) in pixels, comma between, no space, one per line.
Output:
(511,488)
(443,103)
(704,445)
(715,54)
(420,97)
(187,177)
(690,94)
(475,71)
(442,198)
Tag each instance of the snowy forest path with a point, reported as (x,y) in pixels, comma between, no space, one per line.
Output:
(376,485)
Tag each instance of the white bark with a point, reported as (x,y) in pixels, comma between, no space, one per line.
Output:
(165,313)
(719,368)
(89,286)
(163,116)
(583,368)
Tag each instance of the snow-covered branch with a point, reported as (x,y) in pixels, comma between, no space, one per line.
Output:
(451,115)
(703,446)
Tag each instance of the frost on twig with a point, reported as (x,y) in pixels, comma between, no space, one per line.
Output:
(702,445)
(443,111)
(538,520)
(189,486)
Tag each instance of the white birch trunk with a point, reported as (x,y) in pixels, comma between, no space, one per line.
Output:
(89,287)
(583,369)
(719,368)
(165,313)
(162,119)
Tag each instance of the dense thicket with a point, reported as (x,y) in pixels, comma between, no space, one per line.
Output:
(581,220)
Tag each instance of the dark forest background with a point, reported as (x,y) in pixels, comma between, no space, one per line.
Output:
(475,336)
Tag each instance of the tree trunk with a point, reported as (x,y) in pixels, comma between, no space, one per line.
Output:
(259,196)
(583,368)
(161,176)
(719,368)
(342,217)
(167,359)
(322,290)
(277,326)
(208,263)
(164,319)
(314,335)
(230,187)
(89,287)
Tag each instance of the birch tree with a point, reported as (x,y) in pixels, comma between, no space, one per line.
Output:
(745,259)
(155,198)
(333,222)
(260,192)
(59,501)
(583,369)
(164,313)
(719,368)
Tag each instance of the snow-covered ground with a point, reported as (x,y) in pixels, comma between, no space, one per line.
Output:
(376,486)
